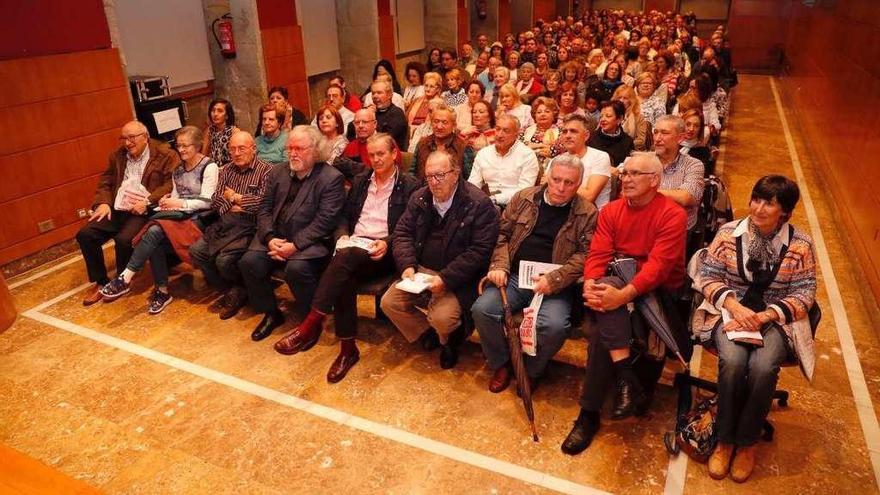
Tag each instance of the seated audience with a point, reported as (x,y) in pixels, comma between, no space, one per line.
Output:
(221,125)
(172,230)
(240,188)
(418,111)
(292,116)
(694,142)
(649,227)
(567,100)
(334,98)
(447,232)
(609,137)
(527,85)
(475,92)
(772,295)
(364,127)
(414,74)
(384,71)
(633,123)
(330,123)
(389,118)
(541,136)
(502,77)
(507,166)
(444,138)
(481,132)
(455,94)
(375,202)
(272,141)
(651,99)
(139,163)
(295,223)
(549,224)
(350,101)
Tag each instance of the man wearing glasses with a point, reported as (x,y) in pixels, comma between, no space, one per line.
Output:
(447,232)
(118,212)
(649,227)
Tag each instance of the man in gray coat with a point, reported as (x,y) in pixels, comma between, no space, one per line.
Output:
(295,226)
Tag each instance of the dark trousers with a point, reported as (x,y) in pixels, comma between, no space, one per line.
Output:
(154,246)
(337,290)
(746,380)
(614,327)
(121,227)
(221,270)
(301,276)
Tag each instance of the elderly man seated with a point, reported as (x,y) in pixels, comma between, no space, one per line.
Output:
(444,138)
(295,224)
(507,166)
(547,224)
(375,203)
(649,227)
(447,235)
(139,165)
(682,177)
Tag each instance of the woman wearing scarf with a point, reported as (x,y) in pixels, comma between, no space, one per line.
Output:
(758,275)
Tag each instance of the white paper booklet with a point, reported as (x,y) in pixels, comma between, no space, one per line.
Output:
(419,283)
(354,241)
(529,269)
(739,334)
(130,193)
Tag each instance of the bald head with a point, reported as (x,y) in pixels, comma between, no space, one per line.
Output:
(242,148)
(134,138)
(365,123)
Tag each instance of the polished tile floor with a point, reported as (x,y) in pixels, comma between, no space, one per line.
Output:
(185,403)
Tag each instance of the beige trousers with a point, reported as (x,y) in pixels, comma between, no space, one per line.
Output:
(443,312)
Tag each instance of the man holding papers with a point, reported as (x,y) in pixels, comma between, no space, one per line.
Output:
(138,174)
(544,224)
(448,232)
(375,202)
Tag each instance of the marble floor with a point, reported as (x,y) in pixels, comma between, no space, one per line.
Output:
(185,403)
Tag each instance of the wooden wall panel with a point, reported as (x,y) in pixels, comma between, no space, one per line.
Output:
(544,9)
(660,5)
(283,54)
(463,18)
(34,28)
(61,116)
(833,84)
(757,31)
(504,19)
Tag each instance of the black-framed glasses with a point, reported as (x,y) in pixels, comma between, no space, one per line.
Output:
(131,138)
(634,173)
(438,177)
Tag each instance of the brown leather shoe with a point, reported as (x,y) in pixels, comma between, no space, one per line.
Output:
(719,461)
(343,363)
(234,300)
(93,296)
(743,464)
(500,380)
(303,337)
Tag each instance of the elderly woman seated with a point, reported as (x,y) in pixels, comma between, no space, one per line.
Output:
(758,276)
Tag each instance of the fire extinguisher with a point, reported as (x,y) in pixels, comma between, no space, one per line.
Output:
(225,39)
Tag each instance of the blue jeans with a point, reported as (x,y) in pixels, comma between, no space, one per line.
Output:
(552,326)
(747,378)
(154,246)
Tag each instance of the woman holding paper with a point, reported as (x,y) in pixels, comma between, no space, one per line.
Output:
(758,278)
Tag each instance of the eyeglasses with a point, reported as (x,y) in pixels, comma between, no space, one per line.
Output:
(184,145)
(633,174)
(238,149)
(438,177)
(363,122)
(131,138)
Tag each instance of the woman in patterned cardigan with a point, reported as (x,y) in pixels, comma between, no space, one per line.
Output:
(758,275)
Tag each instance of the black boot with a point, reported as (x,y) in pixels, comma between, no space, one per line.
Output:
(629,398)
(581,435)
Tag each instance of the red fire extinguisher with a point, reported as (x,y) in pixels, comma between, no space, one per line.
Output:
(225,39)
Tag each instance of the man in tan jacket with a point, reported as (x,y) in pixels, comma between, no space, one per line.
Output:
(550,224)
(114,215)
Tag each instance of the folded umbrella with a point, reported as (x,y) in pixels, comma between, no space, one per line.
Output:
(648,307)
(516,358)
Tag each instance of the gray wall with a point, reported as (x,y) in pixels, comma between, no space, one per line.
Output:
(489,26)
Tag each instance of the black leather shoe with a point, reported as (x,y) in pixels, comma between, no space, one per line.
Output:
(630,399)
(448,356)
(580,437)
(234,300)
(342,365)
(270,322)
(429,340)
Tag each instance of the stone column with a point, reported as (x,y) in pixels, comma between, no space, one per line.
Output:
(357,23)
(241,80)
(441,24)
(487,26)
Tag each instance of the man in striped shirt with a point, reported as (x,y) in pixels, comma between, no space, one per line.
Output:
(240,188)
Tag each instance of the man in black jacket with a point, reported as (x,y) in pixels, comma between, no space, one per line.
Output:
(375,203)
(295,222)
(448,231)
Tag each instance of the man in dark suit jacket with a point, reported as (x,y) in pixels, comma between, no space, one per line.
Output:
(376,201)
(448,232)
(138,159)
(295,223)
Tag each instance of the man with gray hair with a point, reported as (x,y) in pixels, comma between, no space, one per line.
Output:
(295,224)
(552,223)
(390,119)
(446,235)
(138,162)
(682,177)
(508,165)
(650,228)
(528,85)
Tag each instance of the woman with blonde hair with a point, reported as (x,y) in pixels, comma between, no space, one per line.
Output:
(418,111)
(651,98)
(633,123)
(509,103)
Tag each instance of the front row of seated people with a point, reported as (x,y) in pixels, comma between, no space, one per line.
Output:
(240,224)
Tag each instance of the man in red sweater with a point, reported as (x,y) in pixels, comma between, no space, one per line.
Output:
(651,228)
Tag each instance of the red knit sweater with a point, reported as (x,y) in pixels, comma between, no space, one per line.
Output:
(654,234)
